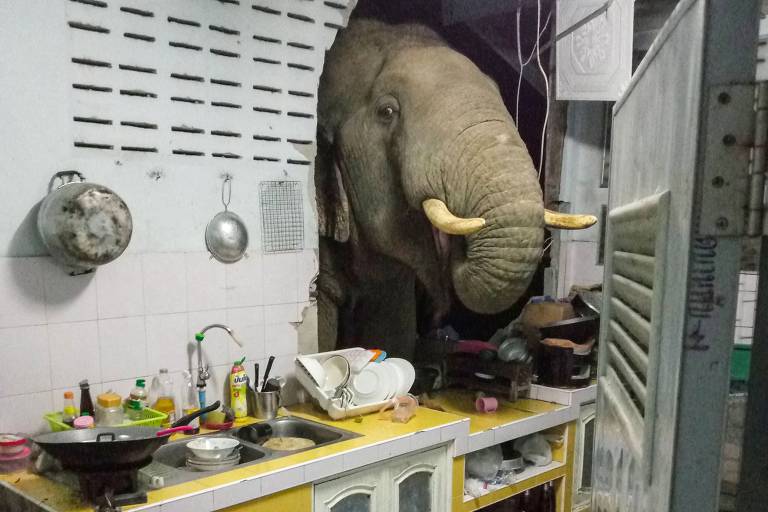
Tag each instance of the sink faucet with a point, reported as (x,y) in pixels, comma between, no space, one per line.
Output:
(202,371)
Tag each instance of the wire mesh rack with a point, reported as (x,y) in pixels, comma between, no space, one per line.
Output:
(282,216)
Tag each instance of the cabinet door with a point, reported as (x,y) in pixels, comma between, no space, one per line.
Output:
(419,484)
(358,492)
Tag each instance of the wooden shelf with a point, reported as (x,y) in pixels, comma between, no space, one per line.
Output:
(532,477)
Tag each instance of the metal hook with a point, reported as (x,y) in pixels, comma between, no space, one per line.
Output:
(227,179)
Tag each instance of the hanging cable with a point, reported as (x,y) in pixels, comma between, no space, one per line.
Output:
(520,68)
(546,87)
(521,64)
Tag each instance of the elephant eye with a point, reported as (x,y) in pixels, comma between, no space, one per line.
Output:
(386,112)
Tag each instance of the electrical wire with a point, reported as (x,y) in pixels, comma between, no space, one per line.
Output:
(521,64)
(546,88)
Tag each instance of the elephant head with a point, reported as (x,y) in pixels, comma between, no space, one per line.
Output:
(425,165)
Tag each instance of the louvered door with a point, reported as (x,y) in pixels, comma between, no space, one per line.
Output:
(680,152)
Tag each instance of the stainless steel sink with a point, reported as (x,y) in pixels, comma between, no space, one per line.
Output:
(175,454)
(289,426)
(169,464)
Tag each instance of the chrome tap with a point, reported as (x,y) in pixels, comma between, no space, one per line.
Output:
(202,371)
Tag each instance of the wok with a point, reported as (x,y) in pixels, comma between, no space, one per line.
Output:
(105,447)
(112,448)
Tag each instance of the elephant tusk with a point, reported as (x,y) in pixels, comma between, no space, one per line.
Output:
(557,220)
(442,218)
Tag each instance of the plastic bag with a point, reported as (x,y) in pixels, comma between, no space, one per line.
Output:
(404,408)
(534,448)
(484,464)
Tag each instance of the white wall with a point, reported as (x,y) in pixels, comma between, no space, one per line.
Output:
(580,187)
(140,312)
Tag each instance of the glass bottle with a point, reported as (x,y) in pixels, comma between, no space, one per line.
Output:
(86,403)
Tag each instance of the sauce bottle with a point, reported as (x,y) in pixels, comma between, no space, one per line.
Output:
(86,403)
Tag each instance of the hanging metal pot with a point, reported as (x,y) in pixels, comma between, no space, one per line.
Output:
(82,224)
(226,236)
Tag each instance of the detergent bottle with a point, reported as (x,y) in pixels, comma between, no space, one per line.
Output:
(238,390)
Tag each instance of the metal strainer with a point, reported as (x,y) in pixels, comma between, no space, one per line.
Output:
(226,236)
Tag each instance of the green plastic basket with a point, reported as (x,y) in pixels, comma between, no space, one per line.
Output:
(149,418)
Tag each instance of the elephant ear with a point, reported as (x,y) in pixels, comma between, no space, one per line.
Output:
(332,203)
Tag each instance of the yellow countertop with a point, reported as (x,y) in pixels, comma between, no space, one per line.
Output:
(457,405)
(462,403)
(373,430)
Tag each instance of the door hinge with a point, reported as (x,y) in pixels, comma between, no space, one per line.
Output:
(756,185)
(729,143)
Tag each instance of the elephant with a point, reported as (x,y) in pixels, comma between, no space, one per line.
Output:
(422,184)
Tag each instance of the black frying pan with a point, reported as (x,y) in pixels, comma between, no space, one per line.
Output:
(111,448)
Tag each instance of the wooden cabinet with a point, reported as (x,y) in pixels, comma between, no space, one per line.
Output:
(412,483)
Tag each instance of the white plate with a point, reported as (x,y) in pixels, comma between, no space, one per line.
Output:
(407,374)
(376,382)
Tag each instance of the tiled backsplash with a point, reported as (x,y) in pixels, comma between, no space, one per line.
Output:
(745,307)
(136,315)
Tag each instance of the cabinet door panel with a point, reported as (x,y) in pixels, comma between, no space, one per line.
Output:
(419,483)
(358,492)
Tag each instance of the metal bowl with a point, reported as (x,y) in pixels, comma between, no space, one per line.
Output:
(226,237)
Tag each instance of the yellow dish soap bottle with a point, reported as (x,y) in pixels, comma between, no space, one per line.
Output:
(238,390)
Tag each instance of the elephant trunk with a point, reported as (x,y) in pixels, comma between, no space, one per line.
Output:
(490,184)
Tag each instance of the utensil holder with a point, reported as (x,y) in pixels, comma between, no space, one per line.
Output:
(267,404)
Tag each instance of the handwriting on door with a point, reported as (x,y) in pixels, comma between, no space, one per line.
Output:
(702,298)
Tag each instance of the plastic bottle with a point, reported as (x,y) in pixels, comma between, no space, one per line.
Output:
(86,403)
(238,390)
(109,412)
(69,413)
(137,402)
(165,402)
(189,396)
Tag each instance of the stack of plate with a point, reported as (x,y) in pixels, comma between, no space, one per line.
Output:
(213,453)
(382,381)
(198,464)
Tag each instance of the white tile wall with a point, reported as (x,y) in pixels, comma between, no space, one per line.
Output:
(23,299)
(136,315)
(745,307)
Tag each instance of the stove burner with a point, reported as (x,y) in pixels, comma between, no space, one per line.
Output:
(108,490)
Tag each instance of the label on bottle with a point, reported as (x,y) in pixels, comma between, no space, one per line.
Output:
(238,392)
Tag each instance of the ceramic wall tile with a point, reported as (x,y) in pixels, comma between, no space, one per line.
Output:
(123,348)
(28,410)
(75,353)
(22,295)
(205,282)
(68,298)
(244,282)
(26,366)
(280,278)
(119,288)
(248,324)
(165,283)
(169,344)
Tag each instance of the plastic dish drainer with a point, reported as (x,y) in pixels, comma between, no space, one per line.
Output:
(334,407)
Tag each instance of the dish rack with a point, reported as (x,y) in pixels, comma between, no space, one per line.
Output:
(332,406)
(149,418)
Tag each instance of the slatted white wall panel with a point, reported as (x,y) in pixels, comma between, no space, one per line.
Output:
(158,99)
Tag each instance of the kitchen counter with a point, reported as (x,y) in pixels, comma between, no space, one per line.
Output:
(379,440)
